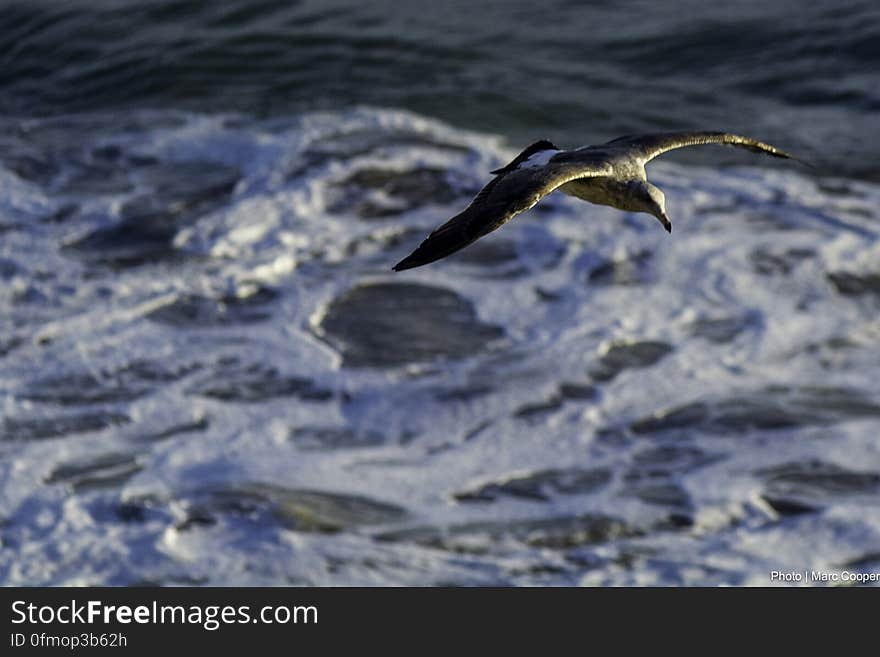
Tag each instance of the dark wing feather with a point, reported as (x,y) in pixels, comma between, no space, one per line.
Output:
(497,203)
(653,145)
(540,145)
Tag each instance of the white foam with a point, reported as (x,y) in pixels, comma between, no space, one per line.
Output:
(280,227)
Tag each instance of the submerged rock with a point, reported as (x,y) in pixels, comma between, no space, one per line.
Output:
(633,269)
(541,485)
(399,191)
(296,509)
(197,311)
(664,493)
(558,533)
(464,394)
(102,471)
(179,194)
(688,415)
(497,258)
(577,391)
(132,381)
(393,324)
(326,438)
(770,263)
(196,425)
(489,253)
(816,482)
(654,477)
(777,407)
(10,343)
(538,410)
(40,428)
(134,241)
(854,285)
(721,330)
(234,381)
(674,459)
(621,356)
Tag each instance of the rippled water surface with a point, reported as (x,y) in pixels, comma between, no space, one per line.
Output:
(803,73)
(209,374)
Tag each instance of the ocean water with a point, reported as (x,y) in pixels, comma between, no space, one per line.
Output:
(210,375)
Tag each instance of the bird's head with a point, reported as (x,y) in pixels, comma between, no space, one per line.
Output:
(653,202)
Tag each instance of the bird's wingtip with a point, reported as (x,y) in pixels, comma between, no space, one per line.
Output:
(799,160)
(406,263)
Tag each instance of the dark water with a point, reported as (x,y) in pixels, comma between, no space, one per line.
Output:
(805,75)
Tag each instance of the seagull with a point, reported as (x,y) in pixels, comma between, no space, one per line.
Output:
(608,174)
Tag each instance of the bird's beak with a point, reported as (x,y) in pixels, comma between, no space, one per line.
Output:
(663,219)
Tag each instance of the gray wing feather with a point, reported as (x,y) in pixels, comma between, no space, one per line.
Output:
(497,203)
(651,146)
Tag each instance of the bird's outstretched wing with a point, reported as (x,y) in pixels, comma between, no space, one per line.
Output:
(650,146)
(497,203)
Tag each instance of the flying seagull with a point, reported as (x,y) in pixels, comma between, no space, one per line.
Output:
(609,174)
